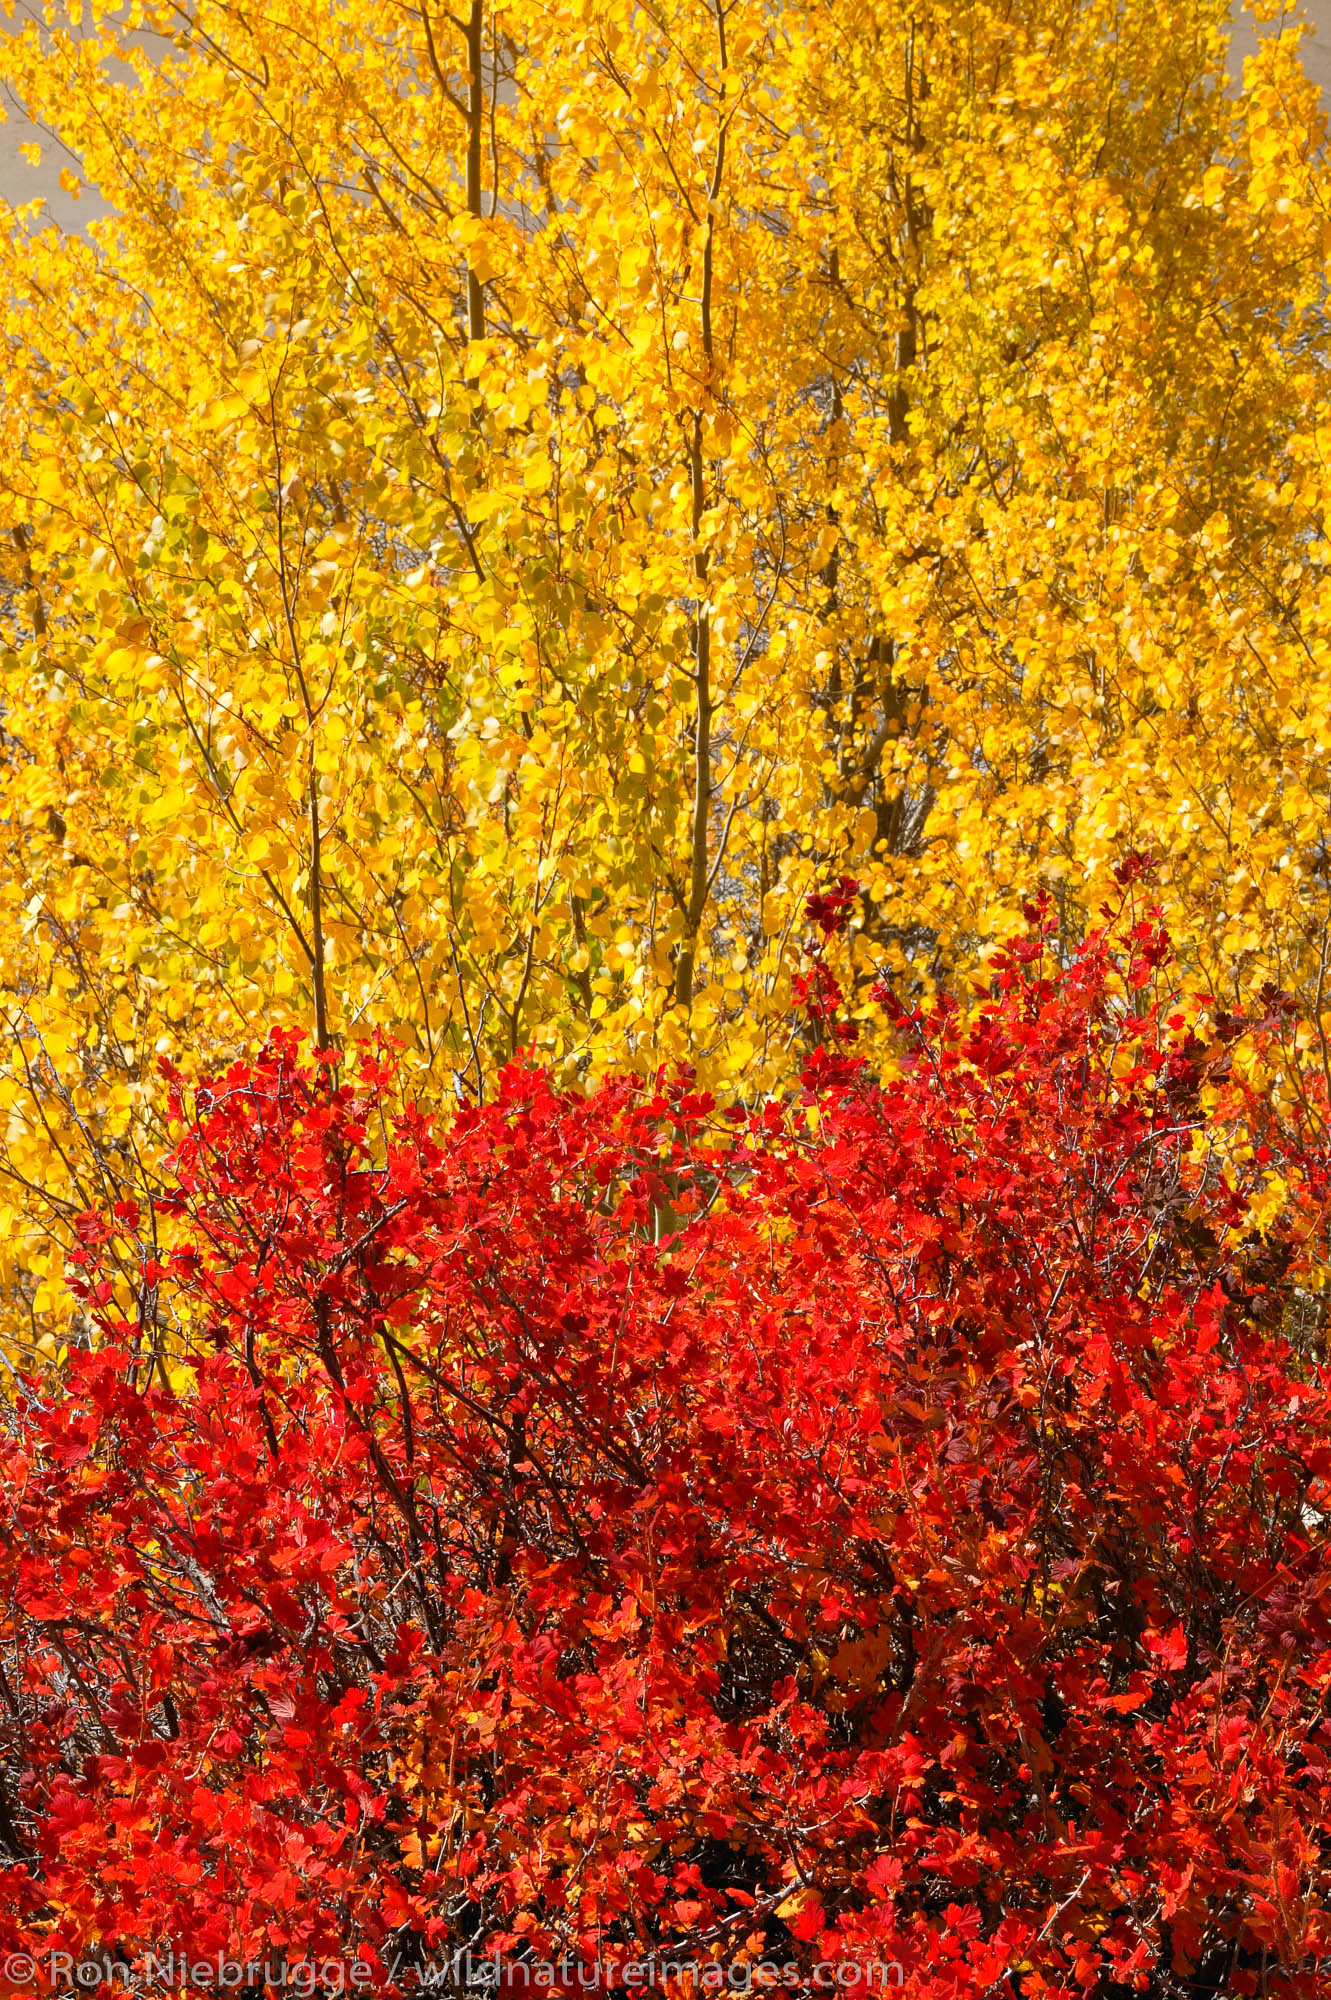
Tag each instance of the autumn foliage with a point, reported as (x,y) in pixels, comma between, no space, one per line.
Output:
(887,1525)
(502,501)
(591,1366)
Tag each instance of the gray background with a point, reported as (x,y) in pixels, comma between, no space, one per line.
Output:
(22,182)
(1316,50)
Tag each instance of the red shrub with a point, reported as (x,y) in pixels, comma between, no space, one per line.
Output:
(890,1527)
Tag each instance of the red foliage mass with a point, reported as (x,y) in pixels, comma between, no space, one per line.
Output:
(891,1526)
